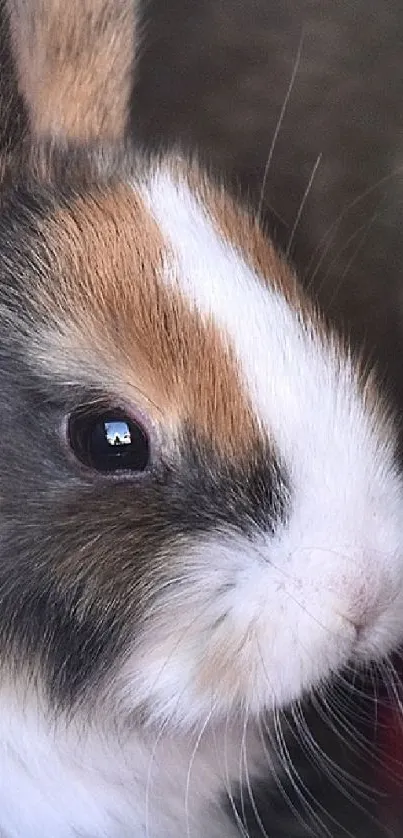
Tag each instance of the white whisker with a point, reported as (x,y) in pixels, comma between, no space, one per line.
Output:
(279,123)
(302,204)
(362,232)
(149,775)
(247,779)
(191,761)
(329,235)
(240,824)
(338,776)
(264,735)
(300,788)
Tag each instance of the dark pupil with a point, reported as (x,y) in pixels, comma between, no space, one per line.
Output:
(109,442)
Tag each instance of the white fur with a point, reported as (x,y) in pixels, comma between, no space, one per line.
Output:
(94,781)
(253,625)
(329,586)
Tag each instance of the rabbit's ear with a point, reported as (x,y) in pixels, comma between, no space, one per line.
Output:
(74,61)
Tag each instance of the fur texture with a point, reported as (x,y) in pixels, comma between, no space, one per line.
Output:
(76,80)
(151,623)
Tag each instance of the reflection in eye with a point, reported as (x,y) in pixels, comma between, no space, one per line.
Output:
(108,440)
(117,433)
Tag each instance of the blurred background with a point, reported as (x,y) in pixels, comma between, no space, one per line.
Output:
(215,76)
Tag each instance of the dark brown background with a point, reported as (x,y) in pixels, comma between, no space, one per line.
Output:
(213,75)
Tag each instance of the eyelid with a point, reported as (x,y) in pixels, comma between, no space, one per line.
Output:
(109,402)
(92,445)
(99,404)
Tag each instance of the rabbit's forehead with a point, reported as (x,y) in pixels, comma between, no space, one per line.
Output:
(158,300)
(114,323)
(300,381)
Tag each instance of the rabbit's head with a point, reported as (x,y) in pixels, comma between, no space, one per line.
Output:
(200,502)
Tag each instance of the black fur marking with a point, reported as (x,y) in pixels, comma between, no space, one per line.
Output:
(79,551)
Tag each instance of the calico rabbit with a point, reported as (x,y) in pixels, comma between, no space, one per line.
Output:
(201,509)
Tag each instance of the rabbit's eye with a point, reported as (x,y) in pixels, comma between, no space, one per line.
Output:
(108,441)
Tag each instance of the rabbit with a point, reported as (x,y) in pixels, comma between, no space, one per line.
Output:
(201,503)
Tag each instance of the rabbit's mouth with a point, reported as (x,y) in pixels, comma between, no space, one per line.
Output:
(244,633)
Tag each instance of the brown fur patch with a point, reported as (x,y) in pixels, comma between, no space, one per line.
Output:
(74,62)
(243,230)
(117,325)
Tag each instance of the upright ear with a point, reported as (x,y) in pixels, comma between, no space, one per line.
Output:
(74,62)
